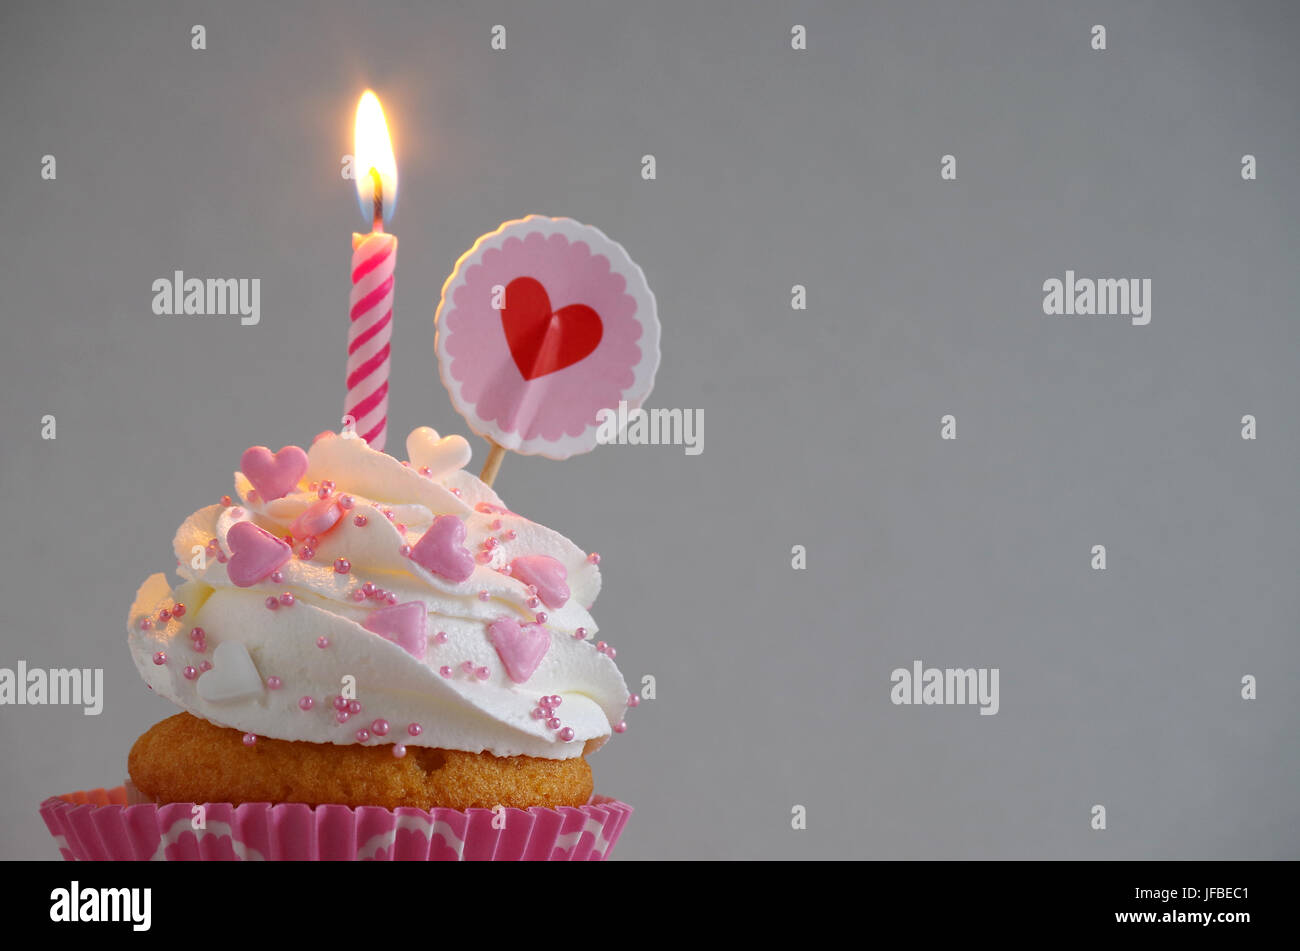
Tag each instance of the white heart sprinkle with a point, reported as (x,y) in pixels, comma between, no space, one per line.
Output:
(439,456)
(233,675)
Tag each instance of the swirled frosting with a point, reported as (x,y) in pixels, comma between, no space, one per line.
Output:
(375,601)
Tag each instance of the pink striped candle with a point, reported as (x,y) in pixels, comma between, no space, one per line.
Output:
(374,257)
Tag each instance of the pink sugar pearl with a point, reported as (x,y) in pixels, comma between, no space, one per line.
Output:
(620,727)
(178,610)
(322,642)
(306,703)
(250,739)
(360,521)
(277,576)
(399,750)
(160,658)
(362,735)
(379,727)
(190,673)
(287,599)
(633,700)
(354,706)
(566,734)
(445,671)
(414,729)
(274,683)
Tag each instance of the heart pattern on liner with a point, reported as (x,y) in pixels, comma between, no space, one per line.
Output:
(254,554)
(233,675)
(521,647)
(442,550)
(542,340)
(273,476)
(406,625)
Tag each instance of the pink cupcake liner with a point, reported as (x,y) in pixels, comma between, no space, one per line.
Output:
(103,824)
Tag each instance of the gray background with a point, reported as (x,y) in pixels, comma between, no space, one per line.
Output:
(822,427)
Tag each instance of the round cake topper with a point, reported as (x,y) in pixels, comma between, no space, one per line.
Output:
(542,324)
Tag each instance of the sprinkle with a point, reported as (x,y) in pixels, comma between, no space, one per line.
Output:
(190,673)
(178,610)
(593,558)
(404,551)
(346,502)
(440,637)
(225,500)
(566,734)
(277,576)
(272,603)
(354,706)
(633,700)
(287,599)
(467,666)
(362,735)
(236,512)
(620,727)
(160,658)
(342,566)
(483,596)
(602,646)
(306,554)
(205,666)
(539,713)
(164,616)
(250,739)
(360,521)
(414,729)
(553,723)
(399,750)
(512,535)
(146,624)
(342,716)
(482,673)
(445,671)
(306,703)
(340,702)
(541,617)
(322,642)
(273,683)
(379,727)
(580,634)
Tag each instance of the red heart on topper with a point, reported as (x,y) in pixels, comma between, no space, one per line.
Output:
(543,340)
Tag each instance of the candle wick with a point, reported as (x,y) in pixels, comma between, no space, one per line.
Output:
(378,224)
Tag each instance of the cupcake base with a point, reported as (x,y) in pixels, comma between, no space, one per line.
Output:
(101,825)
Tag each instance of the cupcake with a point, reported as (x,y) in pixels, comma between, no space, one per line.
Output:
(373,659)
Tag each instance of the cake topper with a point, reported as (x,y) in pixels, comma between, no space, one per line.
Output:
(543,323)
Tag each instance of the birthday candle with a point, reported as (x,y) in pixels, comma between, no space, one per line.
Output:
(374,257)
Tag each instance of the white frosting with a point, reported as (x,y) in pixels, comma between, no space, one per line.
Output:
(458,712)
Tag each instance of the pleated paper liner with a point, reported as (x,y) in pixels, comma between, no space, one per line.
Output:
(102,824)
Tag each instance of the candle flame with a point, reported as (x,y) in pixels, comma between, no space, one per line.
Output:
(373,153)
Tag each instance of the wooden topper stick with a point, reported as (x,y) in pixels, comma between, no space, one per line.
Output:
(493,464)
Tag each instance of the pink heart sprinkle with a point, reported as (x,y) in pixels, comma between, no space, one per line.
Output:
(254,554)
(521,647)
(317,519)
(441,550)
(546,574)
(406,625)
(273,476)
